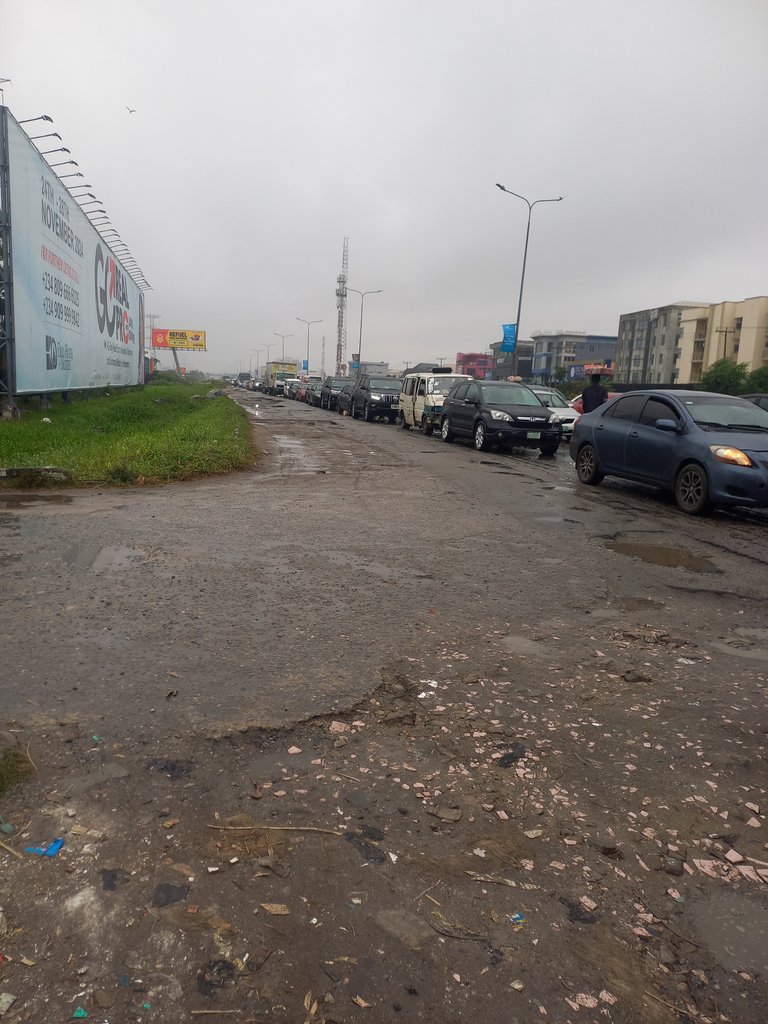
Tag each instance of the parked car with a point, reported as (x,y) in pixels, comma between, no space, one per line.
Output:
(329,392)
(301,392)
(372,397)
(499,412)
(313,392)
(421,397)
(292,385)
(560,405)
(707,449)
(578,404)
(761,400)
(344,398)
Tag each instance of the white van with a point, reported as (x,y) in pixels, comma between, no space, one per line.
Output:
(421,397)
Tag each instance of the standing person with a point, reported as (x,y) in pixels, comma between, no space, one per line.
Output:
(595,395)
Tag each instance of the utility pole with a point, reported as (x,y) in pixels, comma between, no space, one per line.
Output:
(726,331)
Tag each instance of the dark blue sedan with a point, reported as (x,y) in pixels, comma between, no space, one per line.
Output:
(707,449)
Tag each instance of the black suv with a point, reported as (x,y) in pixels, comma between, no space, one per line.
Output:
(375,396)
(329,395)
(499,412)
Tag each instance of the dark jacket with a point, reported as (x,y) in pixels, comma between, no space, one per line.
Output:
(593,397)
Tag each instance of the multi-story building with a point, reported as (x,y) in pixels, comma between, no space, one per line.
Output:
(476,364)
(513,364)
(554,355)
(723,330)
(648,340)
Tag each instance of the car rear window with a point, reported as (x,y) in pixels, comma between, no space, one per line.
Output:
(508,394)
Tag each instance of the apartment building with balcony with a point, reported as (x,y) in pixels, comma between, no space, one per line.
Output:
(722,330)
(647,342)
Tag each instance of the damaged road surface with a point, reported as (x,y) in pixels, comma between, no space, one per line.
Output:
(385,730)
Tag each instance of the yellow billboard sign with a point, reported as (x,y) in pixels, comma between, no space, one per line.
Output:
(163,337)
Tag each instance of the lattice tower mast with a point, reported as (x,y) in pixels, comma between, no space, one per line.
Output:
(341,306)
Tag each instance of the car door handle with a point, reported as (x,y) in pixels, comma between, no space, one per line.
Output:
(634,433)
(600,426)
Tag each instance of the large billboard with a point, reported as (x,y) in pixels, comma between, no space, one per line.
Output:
(78,314)
(193,341)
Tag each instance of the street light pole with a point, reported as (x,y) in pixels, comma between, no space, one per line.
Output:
(530,206)
(309,324)
(374,291)
(277,334)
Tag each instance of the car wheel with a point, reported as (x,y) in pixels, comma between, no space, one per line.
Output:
(367,414)
(549,449)
(402,422)
(692,489)
(587,466)
(480,436)
(426,427)
(352,410)
(445,430)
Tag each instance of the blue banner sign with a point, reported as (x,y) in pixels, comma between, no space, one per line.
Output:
(510,337)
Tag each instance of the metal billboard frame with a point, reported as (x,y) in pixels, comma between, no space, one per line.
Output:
(7,326)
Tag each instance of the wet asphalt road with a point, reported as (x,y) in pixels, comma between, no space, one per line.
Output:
(274,595)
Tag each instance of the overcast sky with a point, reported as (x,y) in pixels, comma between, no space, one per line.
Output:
(266,131)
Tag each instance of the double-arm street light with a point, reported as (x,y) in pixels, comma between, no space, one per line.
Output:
(309,324)
(374,291)
(530,206)
(277,334)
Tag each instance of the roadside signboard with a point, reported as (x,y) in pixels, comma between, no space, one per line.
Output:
(78,314)
(193,341)
(509,339)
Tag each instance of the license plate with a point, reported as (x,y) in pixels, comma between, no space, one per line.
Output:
(534,435)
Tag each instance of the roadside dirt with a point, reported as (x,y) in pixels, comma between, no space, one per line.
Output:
(558,817)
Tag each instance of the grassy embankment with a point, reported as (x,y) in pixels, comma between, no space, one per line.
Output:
(149,434)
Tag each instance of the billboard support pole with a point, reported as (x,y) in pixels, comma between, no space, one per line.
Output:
(7,330)
(176,360)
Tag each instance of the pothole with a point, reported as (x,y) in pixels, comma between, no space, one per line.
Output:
(657,554)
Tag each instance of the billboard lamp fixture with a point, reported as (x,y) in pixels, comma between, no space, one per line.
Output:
(89,202)
(61,149)
(66,163)
(93,213)
(40,117)
(77,174)
(82,185)
(84,194)
(50,135)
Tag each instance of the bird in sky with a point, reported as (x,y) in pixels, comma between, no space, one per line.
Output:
(131,110)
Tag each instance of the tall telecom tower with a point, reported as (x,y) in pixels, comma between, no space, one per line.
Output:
(341,306)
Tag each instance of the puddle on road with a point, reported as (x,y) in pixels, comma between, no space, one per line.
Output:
(294,455)
(23,500)
(102,559)
(734,928)
(657,554)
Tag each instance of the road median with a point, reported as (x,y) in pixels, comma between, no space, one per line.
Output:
(146,435)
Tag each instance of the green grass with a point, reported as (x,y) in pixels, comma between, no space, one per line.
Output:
(149,434)
(13,768)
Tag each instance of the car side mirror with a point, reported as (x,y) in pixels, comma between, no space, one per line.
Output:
(669,425)
(469,401)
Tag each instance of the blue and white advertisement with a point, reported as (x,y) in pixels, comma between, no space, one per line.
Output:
(79,315)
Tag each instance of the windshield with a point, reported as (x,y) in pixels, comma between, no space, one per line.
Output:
(725,412)
(552,399)
(441,385)
(338,382)
(385,384)
(508,394)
